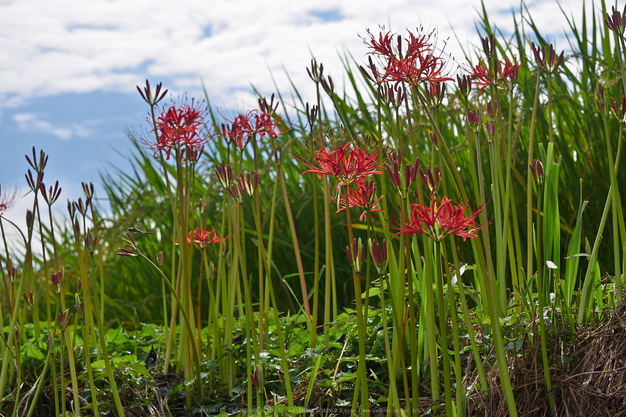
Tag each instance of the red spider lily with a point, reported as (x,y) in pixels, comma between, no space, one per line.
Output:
(506,72)
(441,221)
(246,126)
(347,165)
(179,127)
(362,196)
(203,237)
(417,44)
(383,46)
(418,64)
(7,200)
(415,70)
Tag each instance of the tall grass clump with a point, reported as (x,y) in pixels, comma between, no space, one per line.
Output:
(422,239)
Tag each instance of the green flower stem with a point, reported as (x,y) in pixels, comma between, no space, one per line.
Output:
(214,344)
(616,207)
(316,265)
(186,319)
(327,235)
(529,189)
(443,331)
(18,382)
(329,266)
(582,308)
(87,361)
(393,389)
(40,382)
(261,252)
(62,361)
(107,362)
(540,296)
(281,343)
(428,300)
(506,230)
(13,320)
(458,372)
(294,239)
(250,331)
(485,263)
(362,370)
(415,363)
(468,322)
(70,357)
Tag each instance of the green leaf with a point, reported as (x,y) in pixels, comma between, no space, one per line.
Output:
(33,351)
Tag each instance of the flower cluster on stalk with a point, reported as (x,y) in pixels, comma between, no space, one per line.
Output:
(415,63)
(244,186)
(393,167)
(546,57)
(379,255)
(255,123)
(347,163)
(616,21)
(441,220)
(178,127)
(505,72)
(361,194)
(203,237)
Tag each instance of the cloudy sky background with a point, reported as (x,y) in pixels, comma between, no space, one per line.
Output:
(68,69)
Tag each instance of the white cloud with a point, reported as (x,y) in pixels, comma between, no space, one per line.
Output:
(59,46)
(32,123)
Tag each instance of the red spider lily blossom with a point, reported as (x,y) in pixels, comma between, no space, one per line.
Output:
(383,46)
(362,196)
(505,71)
(419,63)
(7,199)
(254,123)
(422,68)
(439,221)
(203,237)
(179,127)
(347,163)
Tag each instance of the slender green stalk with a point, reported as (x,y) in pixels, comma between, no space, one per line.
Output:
(443,330)
(540,296)
(294,239)
(362,370)
(529,188)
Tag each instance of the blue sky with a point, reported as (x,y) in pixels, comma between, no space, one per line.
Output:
(68,70)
